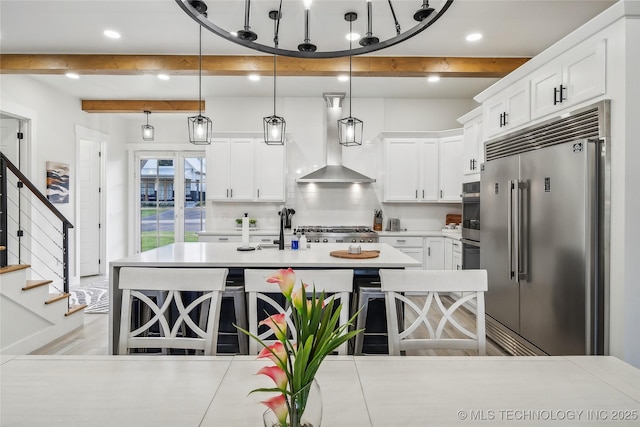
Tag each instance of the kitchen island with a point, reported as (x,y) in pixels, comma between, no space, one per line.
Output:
(226,255)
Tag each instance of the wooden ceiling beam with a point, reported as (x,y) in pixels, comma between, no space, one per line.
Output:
(141,105)
(218,65)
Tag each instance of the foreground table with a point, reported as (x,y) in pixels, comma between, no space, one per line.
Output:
(356,391)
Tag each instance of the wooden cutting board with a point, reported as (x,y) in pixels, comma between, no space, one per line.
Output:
(362,255)
(453,219)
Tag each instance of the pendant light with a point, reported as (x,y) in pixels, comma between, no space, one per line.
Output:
(147,130)
(274,126)
(350,128)
(200,126)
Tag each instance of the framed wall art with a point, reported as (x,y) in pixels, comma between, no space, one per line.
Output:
(58,182)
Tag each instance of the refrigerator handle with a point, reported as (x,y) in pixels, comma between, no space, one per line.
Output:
(512,185)
(521,254)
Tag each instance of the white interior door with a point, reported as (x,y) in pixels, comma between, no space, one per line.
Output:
(9,139)
(89,173)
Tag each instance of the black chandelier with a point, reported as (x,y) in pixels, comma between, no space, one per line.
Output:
(424,15)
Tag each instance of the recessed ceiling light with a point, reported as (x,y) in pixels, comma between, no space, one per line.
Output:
(72,75)
(433,79)
(352,36)
(254,77)
(111,34)
(163,76)
(473,37)
(343,78)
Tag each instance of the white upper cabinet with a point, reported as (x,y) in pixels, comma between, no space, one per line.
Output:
(423,169)
(270,172)
(451,159)
(577,76)
(243,169)
(472,135)
(402,177)
(507,110)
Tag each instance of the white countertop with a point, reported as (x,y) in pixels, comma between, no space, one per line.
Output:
(382,391)
(455,234)
(210,254)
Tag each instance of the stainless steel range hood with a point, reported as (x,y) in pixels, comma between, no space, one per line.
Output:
(334,171)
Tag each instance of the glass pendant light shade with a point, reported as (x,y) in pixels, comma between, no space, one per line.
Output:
(147,130)
(274,128)
(350,131)
(200,128)
(350,128)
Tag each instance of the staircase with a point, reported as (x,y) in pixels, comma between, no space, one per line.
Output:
(30,317)
(33,247)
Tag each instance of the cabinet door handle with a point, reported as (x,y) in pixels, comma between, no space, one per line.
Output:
(441,194)
(505,119)
(223,238)
(502,119)
(470,164)
(258,193)
(559,95)
(423,194)
(429,251)
(401,241)
(232,193)
(227,193)
(416,194)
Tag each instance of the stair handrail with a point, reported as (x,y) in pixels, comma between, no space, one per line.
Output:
(5,164)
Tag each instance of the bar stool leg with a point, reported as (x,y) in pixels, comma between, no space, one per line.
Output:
(363,301)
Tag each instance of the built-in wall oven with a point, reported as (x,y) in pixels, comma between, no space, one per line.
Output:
(471,225)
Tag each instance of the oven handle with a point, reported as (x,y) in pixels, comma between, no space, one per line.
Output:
(470,242)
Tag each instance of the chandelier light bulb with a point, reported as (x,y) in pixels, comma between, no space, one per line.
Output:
(200,129)
(307,4)
(147,132)
(275,130)
(350,130)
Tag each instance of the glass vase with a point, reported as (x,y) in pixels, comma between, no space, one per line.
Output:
(311,415)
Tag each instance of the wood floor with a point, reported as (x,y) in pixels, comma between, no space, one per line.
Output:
(92,339)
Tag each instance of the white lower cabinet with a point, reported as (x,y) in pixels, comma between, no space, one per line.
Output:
(410,245)
(452,254)
(434,253)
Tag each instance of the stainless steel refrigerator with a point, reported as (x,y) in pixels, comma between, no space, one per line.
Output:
(544,234)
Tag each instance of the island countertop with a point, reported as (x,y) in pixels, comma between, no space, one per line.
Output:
(210,254)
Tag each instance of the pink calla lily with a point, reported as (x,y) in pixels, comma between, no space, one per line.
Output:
(278,405)
(276,352)
(286,279)
(278,324)
(278,376)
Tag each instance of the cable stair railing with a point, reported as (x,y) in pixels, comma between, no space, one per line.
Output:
(32,230)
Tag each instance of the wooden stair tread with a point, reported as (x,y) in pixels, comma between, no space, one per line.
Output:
(10,268)
(32,284)
(75,309)
(57,297)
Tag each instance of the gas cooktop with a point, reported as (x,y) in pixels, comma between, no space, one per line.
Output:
(338,234)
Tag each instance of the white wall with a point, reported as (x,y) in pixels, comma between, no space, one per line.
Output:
(306,130)
(54,116)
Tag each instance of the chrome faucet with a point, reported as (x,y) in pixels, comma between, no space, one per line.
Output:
(283,217)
